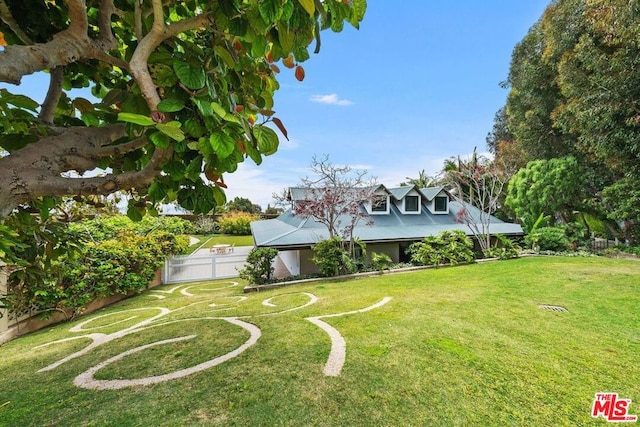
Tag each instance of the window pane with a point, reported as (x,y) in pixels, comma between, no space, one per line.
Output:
(379,205)
(411,204)
(441,204)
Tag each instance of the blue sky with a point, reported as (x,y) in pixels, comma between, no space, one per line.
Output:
(417,84)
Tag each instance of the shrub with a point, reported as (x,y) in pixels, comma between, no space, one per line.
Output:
(206,225)
(380,262)
(118,266)
(548,239)
(503,248)
(258,268)
(101,229)
(236,223)
(449,247)
(332,258)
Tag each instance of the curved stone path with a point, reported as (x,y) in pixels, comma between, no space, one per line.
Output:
(86,379)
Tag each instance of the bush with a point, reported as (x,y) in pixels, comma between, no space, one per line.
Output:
(449,247)
(332,258)
(548,239)
(236,223)
(258,268)
(380,262)
(503,248)
(206,225)
(101,229)
(118,266)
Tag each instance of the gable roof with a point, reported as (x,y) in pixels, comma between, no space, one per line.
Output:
(289,231)
(431,192)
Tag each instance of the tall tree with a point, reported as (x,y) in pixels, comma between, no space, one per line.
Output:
(184,88)
(574,92)
(478,183)
(243,204)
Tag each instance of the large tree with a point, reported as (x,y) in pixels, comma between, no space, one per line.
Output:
(183,88)
(574,92)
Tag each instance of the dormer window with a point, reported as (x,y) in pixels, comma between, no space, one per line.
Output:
(441,204)
(412,203)
(380,205)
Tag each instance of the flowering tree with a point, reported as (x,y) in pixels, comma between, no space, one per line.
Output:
(478,183)
(334,197)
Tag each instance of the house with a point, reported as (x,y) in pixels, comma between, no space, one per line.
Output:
(395,218)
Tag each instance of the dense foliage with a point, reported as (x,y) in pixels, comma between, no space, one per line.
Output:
(108,262)
(573,92)
(551,187)
(548,239)
(107,228)
(181,91)
(332,257)
(236,223)
(259,266)
(448,247)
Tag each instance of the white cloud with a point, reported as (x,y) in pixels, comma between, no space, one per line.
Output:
(331,99)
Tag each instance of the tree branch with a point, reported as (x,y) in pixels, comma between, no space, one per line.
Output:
(66,47)
(53,95)
(158,34)
(127,147)
(7,18)
(34,171)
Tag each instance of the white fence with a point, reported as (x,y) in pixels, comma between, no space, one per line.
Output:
(204,266)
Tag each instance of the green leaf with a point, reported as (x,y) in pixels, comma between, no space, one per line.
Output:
(170,105)
(308,5)
(137,119)
(217,108)
(172,130)
(267,139)
(225,55)
(286,36)
(222,144)
(219,195)
(204,106)
(190,76)
(159,139)
(83,105)
(20,101)
(193,128)
(135,213)
(270,10)
(114,96)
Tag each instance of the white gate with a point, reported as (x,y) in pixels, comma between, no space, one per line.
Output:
(204,266)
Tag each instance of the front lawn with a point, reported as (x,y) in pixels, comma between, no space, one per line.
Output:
(453,346)
(206,241)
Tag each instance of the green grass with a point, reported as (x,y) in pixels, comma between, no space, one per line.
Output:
(206,241)
(455,346)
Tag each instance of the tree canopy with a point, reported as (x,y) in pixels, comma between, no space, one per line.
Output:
(573,92)
(184,90)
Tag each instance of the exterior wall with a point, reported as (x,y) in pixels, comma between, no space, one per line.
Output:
(306,265)
(291,261)
(391,249)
